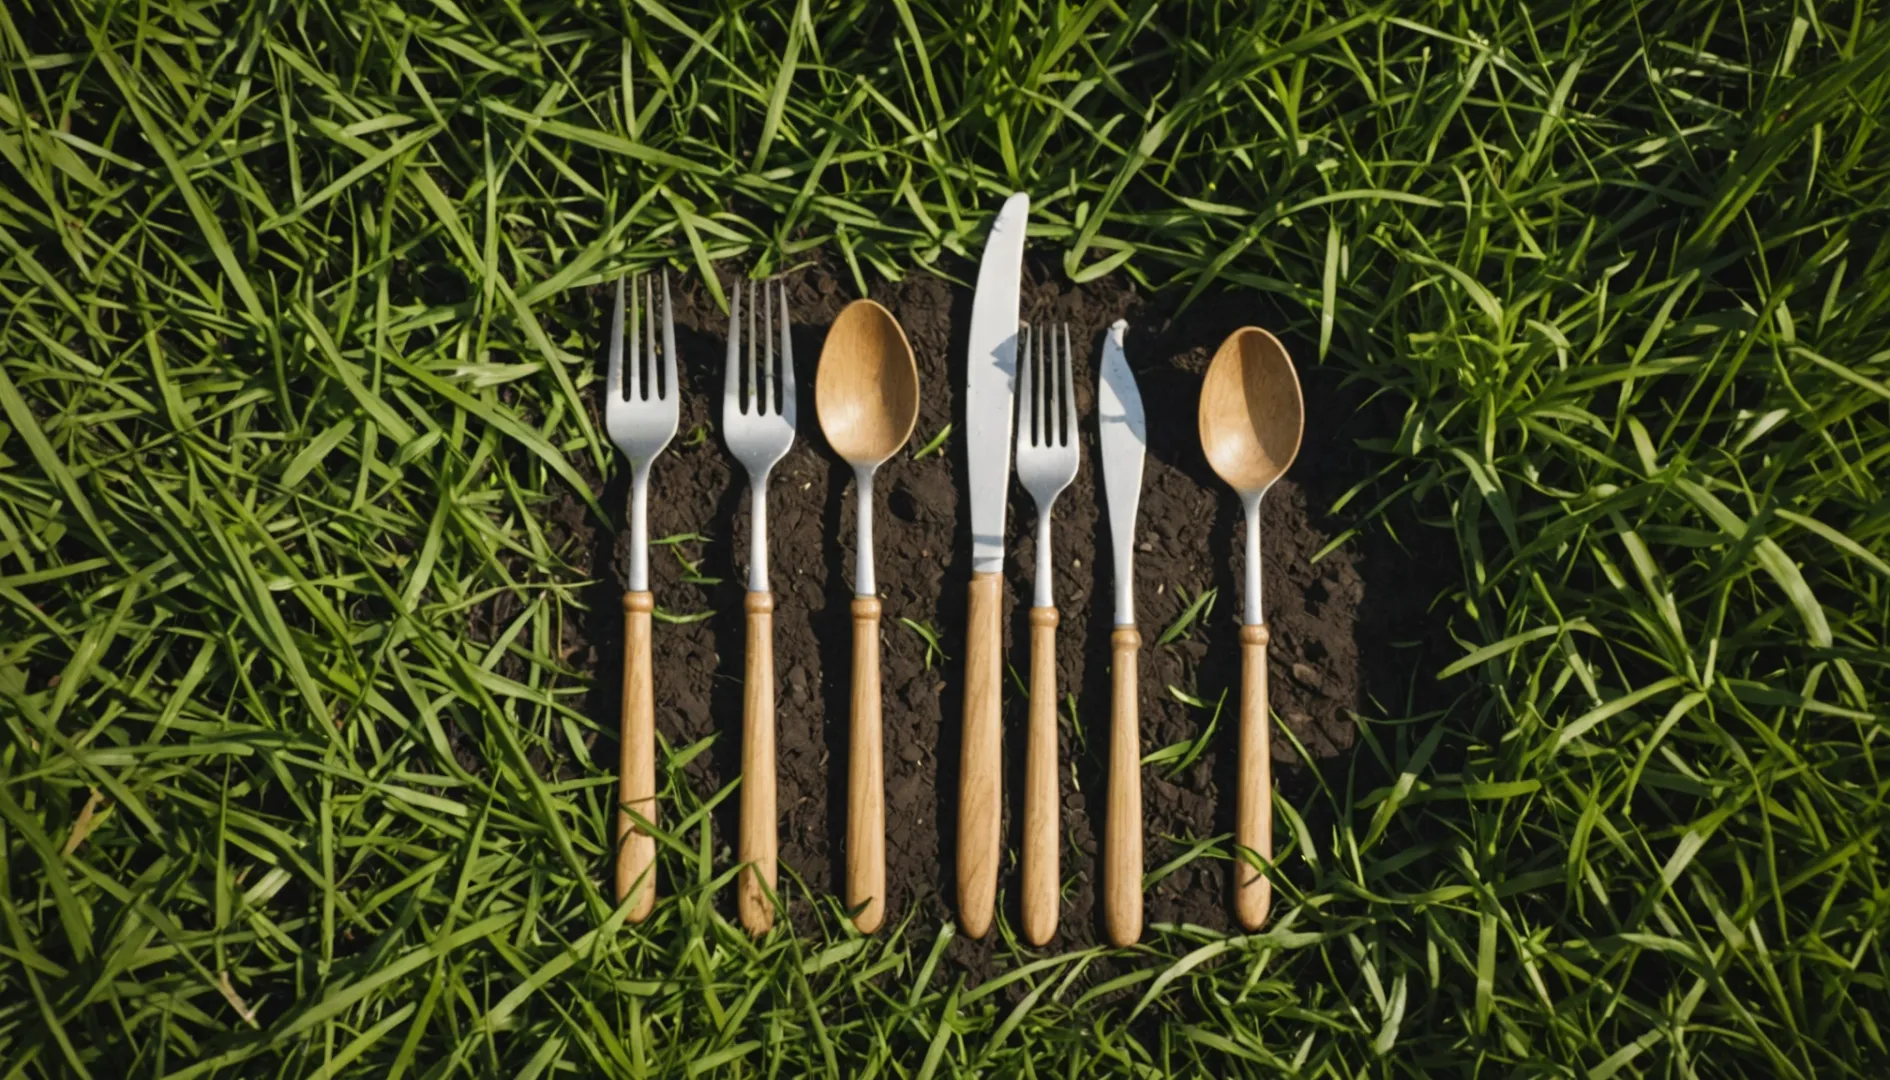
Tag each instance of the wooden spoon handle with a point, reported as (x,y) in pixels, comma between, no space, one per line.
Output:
(758,809)
(978,768)
(1041,872)
(866,780)
(1253,802)
(636,775)
(1122,839)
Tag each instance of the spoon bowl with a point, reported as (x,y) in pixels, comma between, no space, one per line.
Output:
(867,390)
(866,394)
(1252,418)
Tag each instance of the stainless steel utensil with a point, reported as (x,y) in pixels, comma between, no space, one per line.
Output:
(758,425)
(641,405)
(1047,458)
(1124,443)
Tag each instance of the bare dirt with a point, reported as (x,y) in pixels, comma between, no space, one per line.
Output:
(1334,621)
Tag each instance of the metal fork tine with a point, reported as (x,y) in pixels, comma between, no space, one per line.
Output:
(732,369)
(1049,426)
(669,345)
(1032,421)
(633,376)
(787,359)
(1069,389)
(751,401)
(646,376)
(769,384)
(613,377)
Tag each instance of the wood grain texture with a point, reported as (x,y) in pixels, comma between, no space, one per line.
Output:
(758,839)
(1122,838)
(636,773)
(866,390)
(1251,416)
(979,769)
(1253,802)
(1042,871)
(866,779)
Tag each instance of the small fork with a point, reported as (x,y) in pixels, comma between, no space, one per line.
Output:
(641,424)
(758,425)
(1047,458)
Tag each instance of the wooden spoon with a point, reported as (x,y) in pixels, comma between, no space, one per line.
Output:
(866,394)
(1251,421)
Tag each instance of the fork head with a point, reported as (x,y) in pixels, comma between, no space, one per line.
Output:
(758,397)
(1046,422)
(641,403)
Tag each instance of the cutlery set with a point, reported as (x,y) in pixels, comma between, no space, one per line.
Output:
(866,396)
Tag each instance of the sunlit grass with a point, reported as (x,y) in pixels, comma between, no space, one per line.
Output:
(293,326)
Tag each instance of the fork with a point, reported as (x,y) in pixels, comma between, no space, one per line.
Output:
(1047,458)
(641,423)
(758,425)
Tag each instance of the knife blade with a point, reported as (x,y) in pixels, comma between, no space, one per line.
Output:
(991,376)
(1124,444)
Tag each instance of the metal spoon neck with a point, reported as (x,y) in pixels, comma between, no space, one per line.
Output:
(863,583)
(1250,502)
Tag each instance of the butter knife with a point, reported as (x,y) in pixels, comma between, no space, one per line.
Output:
(1124,431)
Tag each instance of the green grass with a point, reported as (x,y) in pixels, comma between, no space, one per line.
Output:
(934,648)
(292,327)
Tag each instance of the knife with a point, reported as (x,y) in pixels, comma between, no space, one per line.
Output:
(1124,443)
(990,377)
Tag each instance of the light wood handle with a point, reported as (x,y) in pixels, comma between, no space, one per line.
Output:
(1253,803)
(1122,841)
(636,773)
(758,813)
(866,777)
(1041,870)
(978,768)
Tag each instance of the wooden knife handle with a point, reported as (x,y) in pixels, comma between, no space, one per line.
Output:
(1122,840)
(1253,802)
(1041,871)
(636,774)
(866,780)
(758,838)
(978,768)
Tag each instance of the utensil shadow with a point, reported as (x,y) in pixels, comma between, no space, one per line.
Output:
(836,663)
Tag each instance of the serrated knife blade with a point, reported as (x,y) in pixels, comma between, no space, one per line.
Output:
(991,376)
(1124,444)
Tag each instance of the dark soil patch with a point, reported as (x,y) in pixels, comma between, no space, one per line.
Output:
(1191,535)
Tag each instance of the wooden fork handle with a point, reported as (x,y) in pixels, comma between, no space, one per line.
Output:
(636,775)
(866,779)
(758,840)
(1253,801)
(1122,840)
(1041,870)
(978,768)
